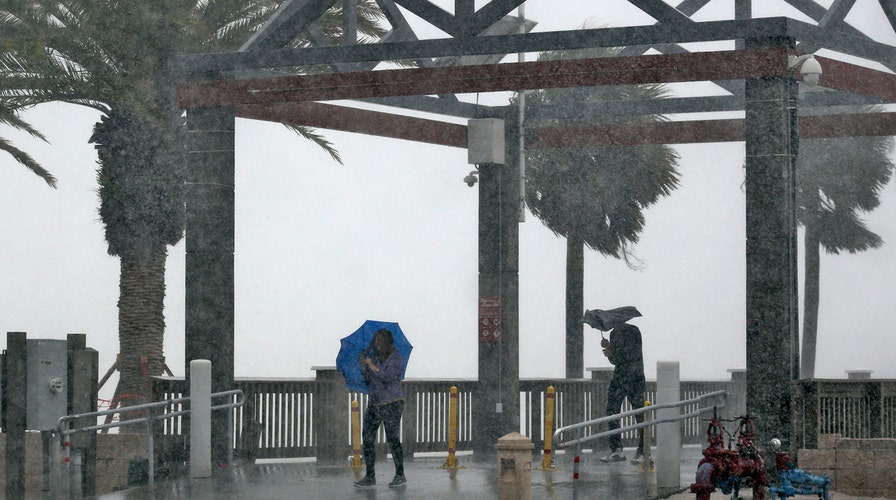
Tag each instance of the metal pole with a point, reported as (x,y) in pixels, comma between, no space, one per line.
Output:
(229,434)
(521,57)
(451,462)
(548,460)
(575,470)
(356,434)
(56,477)
(151,466)
(645,465)
(200,418)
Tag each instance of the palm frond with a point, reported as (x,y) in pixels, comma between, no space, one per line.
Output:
(29,162)
(310,134)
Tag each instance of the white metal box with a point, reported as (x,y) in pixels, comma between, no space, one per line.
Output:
(485,141)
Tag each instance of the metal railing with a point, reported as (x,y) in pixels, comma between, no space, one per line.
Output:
(153,412)
(723,395)
(281,416)
(585,428)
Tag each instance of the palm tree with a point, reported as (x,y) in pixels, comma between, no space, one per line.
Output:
(10,62)
(837,179)
(114,56)
(593,196)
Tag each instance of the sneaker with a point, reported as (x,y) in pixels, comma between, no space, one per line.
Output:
(615,456)
(398,481)
(366,482)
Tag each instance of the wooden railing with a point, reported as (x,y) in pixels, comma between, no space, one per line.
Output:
(291,418)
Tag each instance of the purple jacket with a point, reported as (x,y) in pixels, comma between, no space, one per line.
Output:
(385,386)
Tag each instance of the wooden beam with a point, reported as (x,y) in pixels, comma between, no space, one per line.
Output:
(659,68)
(700,131)
(381,124)
(362,121)
(856,79)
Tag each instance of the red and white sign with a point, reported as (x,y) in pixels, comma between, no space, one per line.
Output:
(489,319)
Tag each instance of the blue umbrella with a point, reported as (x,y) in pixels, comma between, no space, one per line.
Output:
(352,346)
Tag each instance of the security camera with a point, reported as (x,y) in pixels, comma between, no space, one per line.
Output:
(810,68)
(471,178)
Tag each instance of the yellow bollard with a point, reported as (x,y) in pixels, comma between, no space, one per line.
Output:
(356,435)
(451,462)
(647,464)
(548,428)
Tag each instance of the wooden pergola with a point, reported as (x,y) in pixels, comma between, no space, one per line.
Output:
(261,81)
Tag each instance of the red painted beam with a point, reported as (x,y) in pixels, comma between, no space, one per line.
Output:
(347,119)
(659,68)
(362,121)
(632,134)
(857,79)
(699,131)
(848,125)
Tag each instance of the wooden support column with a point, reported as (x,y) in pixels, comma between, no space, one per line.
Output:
(210,231)
(772,335)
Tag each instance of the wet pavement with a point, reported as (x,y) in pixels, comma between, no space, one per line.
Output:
(427,480)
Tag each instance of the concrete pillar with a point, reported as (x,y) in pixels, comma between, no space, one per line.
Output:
(209,271)
(496,402)
(737,395)
(16,412)
(514,467)
(601,374)
(201,415)
(83,383)
(331,416)
(668,435)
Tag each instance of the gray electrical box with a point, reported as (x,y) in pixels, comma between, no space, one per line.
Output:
(485,141)
(47,371)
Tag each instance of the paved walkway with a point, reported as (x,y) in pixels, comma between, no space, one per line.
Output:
(427,480)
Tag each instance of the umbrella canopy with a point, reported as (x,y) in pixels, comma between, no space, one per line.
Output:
(352,346)
(606,320)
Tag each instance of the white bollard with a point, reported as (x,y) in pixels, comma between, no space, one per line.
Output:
(668,435)
(200,418)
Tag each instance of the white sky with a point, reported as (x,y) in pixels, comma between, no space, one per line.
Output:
(391,235)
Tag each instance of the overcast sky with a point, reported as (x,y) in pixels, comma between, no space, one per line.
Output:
(392,235)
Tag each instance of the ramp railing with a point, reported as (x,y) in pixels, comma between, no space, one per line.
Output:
(584,431)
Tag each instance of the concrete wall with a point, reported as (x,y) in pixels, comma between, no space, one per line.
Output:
(860,467)
(114,454)
(33,458)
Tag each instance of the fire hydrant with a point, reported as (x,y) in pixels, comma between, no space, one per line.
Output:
(794,481)
(730,469)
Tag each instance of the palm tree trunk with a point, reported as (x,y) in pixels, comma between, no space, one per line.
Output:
(141,323)
(575,339)
(811,287)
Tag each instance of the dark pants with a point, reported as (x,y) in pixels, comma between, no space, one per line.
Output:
(621,387)
(389,415)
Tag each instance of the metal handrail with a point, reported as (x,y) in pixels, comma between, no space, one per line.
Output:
(577,442)
(63,428)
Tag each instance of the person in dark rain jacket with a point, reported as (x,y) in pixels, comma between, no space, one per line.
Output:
(623,349)
(381,367)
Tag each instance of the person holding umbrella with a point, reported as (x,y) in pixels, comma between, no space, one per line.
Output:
(623,350)
(382,367)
